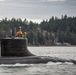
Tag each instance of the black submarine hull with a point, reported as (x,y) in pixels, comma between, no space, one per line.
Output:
(16,47)
(15,51)
(33,60)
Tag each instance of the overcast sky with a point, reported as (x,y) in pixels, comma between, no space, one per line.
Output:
(36,10)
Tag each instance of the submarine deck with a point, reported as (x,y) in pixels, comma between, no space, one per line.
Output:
(32,60)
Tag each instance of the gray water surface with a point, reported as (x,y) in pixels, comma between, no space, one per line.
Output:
(49,68)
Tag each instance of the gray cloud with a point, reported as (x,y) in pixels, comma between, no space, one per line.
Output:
(36,9)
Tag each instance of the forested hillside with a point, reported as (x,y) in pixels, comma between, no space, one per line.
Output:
(48,32)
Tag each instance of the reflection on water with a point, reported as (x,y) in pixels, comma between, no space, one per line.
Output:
(49,68)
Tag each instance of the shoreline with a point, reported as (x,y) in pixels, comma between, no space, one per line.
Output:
(52,46)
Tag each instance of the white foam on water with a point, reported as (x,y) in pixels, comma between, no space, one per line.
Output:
(59,63)
(14,65)
(68,63)
(53,63)
(23,65)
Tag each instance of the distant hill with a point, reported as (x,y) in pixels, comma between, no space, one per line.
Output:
(55,30)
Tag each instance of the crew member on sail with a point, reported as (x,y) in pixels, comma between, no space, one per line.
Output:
(19,33)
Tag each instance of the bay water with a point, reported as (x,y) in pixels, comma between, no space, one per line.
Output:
(49,68)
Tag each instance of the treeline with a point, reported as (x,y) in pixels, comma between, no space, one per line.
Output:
(49,32)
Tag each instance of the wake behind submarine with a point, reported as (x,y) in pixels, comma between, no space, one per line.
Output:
(14,50)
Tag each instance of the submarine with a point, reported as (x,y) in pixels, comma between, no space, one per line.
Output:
(14,50)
